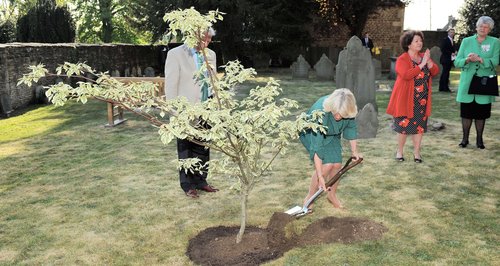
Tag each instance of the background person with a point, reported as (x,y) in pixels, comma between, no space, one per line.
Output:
(478,53)
(181,65)
(325,150)
(410,102)
(367,42)
(448,53)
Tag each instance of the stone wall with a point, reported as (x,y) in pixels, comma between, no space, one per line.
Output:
(129,60)
(385,28)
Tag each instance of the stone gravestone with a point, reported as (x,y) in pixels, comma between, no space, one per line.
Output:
(40,96)
(5,104)
(392,72)
(435,55)
(115,73)
(324,68)
(377,65)
(149,72)
(367,122)
(300,68)
(355,71)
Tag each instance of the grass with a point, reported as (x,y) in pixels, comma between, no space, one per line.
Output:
(75,192)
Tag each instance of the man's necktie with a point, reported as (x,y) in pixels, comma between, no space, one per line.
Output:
(204,84)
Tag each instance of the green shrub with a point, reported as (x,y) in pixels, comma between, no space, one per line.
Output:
(7,32)
(46,23)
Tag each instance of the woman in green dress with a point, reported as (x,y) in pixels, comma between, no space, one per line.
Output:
(478,54)
(325,149)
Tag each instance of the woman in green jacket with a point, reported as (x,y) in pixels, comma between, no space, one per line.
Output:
(477,54)
(325,149)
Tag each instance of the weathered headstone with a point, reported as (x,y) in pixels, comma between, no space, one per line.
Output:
(377,65)
(300,68)
(126,73)
(149,72)
(392,71)
(435,55)
(5,105)
(367,122)
(324,68)
(40,96)
(355,71)
(115,73)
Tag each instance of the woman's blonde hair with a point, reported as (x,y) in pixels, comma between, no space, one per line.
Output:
(341,101)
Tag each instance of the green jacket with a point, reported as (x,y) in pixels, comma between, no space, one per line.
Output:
(322,144)
(489,51)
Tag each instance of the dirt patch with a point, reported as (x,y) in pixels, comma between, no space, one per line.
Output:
(217,245)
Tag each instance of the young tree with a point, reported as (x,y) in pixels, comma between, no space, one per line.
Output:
(249,133)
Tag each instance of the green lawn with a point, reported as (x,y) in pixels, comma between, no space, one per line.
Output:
(75,192)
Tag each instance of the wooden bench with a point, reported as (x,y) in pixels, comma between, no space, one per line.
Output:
(115,113)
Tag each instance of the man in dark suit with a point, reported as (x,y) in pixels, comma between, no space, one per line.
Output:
(448,53)
(367,42)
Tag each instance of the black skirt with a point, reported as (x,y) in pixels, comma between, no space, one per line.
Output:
(474,110)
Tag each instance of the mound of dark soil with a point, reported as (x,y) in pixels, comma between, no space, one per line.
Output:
(217,245)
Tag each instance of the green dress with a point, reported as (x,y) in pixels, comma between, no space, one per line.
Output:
(328,146)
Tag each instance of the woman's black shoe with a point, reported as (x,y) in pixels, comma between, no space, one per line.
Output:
(463,144)
(417,160)
(480,145)
(399,159)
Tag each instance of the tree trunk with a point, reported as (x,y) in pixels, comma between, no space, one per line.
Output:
(243,223)
(107,20)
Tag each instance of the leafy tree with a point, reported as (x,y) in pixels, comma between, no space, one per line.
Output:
(7,31)
(108,21)
(46,22)
(472,10)
(21,6)
(276,27)
(148,15)
(7,24)
(249,133)
(281,27)
(353,13)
